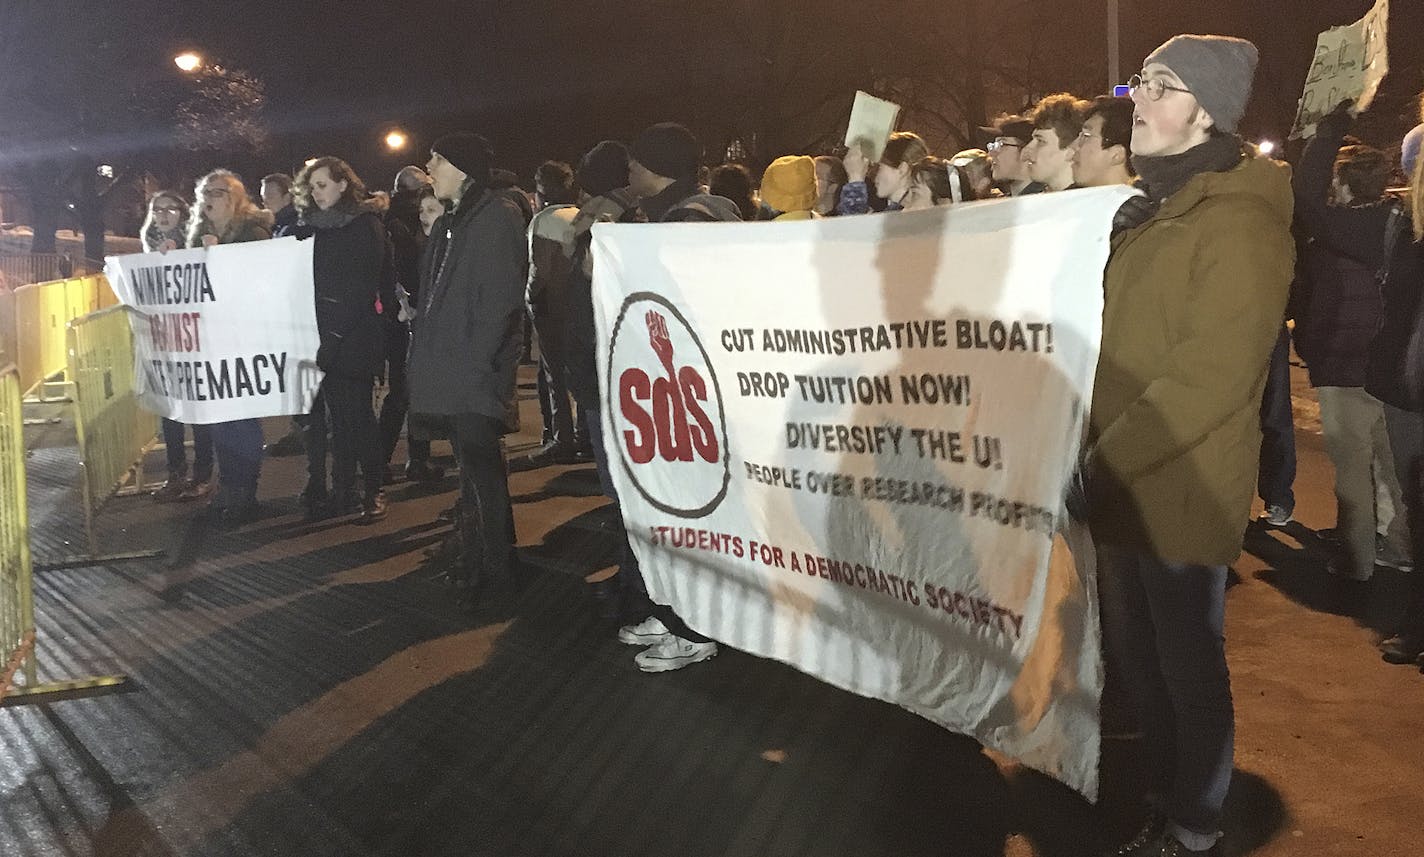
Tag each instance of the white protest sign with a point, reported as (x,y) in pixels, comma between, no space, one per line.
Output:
(222,333)
(872,120)
(1350,62)
(844,444)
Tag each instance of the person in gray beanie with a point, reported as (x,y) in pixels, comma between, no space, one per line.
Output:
(1218,71)
(1194,295)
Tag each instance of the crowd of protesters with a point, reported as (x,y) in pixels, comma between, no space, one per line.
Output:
(433,286)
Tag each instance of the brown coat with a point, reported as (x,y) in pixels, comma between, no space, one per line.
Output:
(1194,299)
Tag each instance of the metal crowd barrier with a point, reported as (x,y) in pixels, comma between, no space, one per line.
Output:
(22,268)
(113,430)
(7,327)
(40,313)
(17,605)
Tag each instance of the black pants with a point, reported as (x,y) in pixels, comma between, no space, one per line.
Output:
(1277,472)
(344,406)
(173,437)
(636,603)
(397,402)
(486,516)
(1406,442)
(560,424)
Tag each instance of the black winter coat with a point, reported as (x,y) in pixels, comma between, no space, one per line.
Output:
(403,225)
(1358,233)
(1337,298)
(466,336)
(351,267)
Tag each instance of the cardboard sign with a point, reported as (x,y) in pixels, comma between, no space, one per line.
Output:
(1350,62)
(872,120)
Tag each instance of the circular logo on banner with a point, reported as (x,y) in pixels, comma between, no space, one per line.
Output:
(665,409)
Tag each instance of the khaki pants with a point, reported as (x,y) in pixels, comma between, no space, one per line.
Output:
(1358,445)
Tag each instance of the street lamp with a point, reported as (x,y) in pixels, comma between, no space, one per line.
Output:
(188,62)
(395,140)
(1266,148)
(1114,47)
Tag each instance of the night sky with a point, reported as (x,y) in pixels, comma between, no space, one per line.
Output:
(548,78)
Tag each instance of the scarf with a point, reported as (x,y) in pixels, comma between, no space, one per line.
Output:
(331,218)
(1162,177)
(155,236)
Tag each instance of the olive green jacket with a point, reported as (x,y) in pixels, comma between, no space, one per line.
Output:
(1194,300)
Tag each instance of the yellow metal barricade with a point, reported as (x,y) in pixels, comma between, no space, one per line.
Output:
(9,345)
(42,312)
(29,339)
(107,298)
(18,659)
(17,615)
(113,430)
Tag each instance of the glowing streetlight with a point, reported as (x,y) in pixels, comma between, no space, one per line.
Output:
(395,141)
(1266,148)
(188,62)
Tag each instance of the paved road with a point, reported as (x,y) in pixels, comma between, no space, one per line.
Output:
(309,690)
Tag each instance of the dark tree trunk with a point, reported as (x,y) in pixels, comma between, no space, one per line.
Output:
(91,212)
(43,182)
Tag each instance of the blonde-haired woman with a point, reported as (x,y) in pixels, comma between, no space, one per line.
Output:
(225,214)
(163,231)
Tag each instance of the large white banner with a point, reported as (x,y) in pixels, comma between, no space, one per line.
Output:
(844,444)
(222,333)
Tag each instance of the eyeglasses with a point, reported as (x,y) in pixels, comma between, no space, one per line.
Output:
(167,209)
(1005,142)
(1154,89)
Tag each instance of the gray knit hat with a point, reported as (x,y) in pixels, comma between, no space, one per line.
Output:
(1217,69)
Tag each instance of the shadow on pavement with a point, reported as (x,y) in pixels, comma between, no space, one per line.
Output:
(1299,573)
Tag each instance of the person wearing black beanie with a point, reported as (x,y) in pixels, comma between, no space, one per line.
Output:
(464,352)
(604,169)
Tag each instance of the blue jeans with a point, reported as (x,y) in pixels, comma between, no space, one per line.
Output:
(239,449)
(1163,627)
(1277,471)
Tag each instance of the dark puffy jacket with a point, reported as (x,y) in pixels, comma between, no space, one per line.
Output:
(1336,296)
(1386,371)
(1359,234)
(351,267)
(466,336)
(1337,317)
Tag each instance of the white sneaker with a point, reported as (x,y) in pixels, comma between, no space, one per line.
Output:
(674,653)
(649,632)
